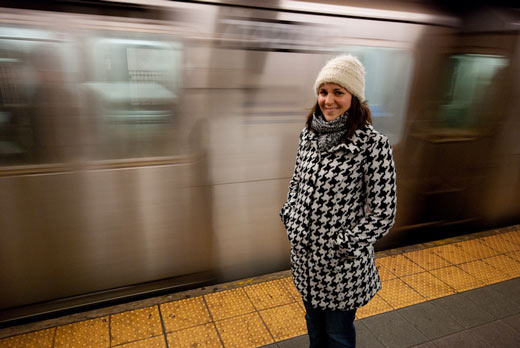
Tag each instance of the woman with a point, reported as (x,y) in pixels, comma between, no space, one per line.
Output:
(341,200)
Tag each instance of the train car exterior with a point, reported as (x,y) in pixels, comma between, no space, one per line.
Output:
(154,151)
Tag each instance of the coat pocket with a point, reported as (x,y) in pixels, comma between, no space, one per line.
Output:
(295,227)
(347,248)
(339,256)
(285,215)
(345,259)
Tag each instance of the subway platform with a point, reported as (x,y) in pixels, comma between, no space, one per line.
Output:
(458,292)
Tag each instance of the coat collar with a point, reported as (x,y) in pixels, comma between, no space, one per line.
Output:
(353,145)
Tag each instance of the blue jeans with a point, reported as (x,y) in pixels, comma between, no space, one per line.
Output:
(330,329)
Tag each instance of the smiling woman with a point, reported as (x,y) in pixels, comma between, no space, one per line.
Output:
(342,199)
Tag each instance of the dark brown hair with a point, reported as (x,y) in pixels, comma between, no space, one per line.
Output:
(359,116)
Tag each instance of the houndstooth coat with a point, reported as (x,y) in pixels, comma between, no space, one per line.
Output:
(340,202)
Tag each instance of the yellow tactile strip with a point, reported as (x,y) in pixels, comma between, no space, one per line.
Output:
(268,294)
(505,264)
(244,331)
(456,278)
(427,259)
(154,342)
(427,285)
(198,336)
(477,248)
(499,243)
(230,303)
(398,294)
(285,321)
(291,289)
(183,314)
(400,265)
(41,339)
(484,272)
(253,315)
(91,333)
(515,255)
(135,325)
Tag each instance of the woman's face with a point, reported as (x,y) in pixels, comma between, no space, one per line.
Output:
(333,100)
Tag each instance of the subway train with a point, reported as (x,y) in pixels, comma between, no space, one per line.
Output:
(147,146)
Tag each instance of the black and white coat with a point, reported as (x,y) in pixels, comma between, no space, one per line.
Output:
(340,202)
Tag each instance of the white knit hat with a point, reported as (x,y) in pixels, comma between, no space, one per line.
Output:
(346,71)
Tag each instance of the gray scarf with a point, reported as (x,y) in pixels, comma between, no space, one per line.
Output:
(329,133)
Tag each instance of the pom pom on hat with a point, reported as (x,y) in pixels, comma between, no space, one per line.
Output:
(346,71)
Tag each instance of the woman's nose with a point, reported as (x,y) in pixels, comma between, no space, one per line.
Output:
(329,99)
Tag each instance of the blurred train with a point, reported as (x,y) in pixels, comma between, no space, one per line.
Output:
(147,146)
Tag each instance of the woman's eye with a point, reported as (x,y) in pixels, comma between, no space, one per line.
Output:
(339,93)
(323,92)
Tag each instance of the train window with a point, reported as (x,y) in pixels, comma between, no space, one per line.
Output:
(470,81)
(35,71)
(388,78)
(133,94)
(15,130)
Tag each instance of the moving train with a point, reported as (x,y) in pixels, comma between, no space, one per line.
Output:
(147,146)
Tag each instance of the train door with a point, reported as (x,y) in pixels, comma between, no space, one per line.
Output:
(146,198)
(463,139)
